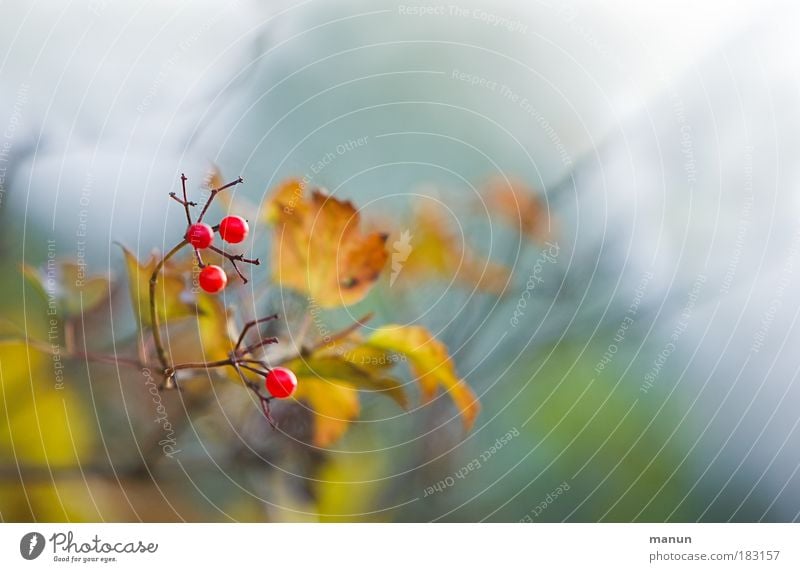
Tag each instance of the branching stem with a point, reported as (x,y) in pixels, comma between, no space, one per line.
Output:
(160,351)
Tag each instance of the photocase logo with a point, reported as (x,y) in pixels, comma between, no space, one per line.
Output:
(401,251)
(31,545)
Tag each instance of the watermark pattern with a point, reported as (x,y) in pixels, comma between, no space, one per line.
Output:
(83,230)
(9,134)
(327,159)
(97,7)
(318,166)
(401,250)
(549,256)
(651,376)
(95,549)
(31,545)
(776,301)
(473,465)
(53,322)
(625,324)
(173,60)
(744,222)
(524,103)
(456,11)
(570,17)
(329,344)
(551,497)
(168,443)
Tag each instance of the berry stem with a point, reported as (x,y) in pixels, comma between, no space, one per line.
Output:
(160,351)
(200,262)
(233,258)
(88,356)
(249,368)
(253,347)
(203,365)
(214,194)
(340,335)
(186,202)
(249,325)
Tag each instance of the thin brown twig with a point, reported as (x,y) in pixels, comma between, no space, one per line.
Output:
(88,356)
(162,354)
(185,202)
(252,369)
(200,262)
(252,324)
(186,198)
(214,193)
(253,347)
(233,258)
(341,334)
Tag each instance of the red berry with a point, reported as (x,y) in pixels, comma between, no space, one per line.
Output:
(200,235)
(212,279)
(281,382)
(233,229)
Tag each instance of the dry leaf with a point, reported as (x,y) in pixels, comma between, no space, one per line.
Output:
(319,250)
(288,196)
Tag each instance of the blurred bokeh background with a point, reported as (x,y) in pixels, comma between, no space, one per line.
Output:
(639,364)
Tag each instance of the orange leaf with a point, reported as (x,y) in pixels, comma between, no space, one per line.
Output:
(287,197)
(429,248)
(519,205)
(319,250)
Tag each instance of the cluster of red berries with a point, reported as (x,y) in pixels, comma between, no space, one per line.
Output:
(232,229)
(279,381)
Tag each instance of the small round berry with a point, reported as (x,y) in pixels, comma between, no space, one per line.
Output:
(233,229)
(212,279)
(200,235)
(281,382)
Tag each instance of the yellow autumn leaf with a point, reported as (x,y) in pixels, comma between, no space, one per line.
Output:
(330,385)
(169,289)
(430,364)
(73,290)
(208,337)
(348,491)
(429,248)
(46,500)
(42,422)
(43,428)
(334,403)
(364,377)
(319,250)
